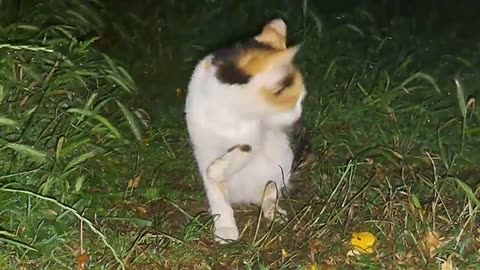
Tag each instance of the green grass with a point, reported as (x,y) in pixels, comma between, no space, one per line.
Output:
(95,156)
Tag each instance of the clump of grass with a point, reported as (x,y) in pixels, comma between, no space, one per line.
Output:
(62,106)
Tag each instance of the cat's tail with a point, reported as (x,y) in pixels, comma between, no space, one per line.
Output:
(302,150)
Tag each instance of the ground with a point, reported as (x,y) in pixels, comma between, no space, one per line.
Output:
(391,117)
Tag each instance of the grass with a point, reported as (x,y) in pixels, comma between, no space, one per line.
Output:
(97,173)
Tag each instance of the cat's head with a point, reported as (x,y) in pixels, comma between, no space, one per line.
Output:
(264,66)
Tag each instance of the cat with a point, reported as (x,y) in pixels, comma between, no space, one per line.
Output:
(240,106)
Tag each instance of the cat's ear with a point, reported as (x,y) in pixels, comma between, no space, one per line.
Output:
(285,57)
(274,34)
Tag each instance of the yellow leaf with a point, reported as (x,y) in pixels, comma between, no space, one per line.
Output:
(363,242)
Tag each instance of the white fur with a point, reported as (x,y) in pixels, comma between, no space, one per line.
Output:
(220,116)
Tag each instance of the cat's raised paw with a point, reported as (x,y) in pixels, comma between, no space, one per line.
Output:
(225,235)
(217,170)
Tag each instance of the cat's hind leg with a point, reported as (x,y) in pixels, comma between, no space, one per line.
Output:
(225,226)
(270,208)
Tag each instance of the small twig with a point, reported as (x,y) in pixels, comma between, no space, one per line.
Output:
(471,215)
(179,209)
(82,251)
(26,47)
(50,73)
(435,188)
(257,229)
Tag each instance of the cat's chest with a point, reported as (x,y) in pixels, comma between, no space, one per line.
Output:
(241,131)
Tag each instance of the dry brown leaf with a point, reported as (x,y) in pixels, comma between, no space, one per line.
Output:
(448,264)
(284,254)
(82,261)
(134,183)
(432,241)
(327,266)
(179,92)
(142,209)
(315,248)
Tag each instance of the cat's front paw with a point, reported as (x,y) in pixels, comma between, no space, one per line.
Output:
(216,171)
(224,235)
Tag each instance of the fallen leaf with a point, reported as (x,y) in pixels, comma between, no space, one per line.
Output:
(142,209)
(284,254)
(133,183)
(327,266)
(432,241)
(363,242)
(82,261)
(179,92)
(448,264)
(352,253)
(315,248)
(136,182)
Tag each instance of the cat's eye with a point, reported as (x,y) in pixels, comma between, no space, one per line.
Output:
(286,82)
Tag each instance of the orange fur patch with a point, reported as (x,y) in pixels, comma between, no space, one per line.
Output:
(288,98)
(256,61)
(274,34)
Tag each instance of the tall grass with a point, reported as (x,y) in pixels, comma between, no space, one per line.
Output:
(62,106)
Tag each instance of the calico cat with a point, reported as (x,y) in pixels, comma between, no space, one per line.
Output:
(240,106)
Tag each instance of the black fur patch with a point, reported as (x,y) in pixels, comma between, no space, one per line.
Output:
(286,82)
(229,73)
(224,60)
(242,147)
(245,148)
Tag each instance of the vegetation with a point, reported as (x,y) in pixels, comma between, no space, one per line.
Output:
(96,170)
